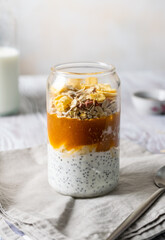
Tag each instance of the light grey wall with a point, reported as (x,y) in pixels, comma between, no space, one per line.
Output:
(130,33)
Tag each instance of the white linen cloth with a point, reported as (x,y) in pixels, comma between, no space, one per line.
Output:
(35,208)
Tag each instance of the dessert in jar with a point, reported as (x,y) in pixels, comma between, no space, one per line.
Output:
(83,119)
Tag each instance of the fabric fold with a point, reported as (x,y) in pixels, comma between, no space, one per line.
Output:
(44,214)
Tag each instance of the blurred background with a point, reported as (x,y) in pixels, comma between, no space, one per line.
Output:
(130,34)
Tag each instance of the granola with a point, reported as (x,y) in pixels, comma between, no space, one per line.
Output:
(83,100)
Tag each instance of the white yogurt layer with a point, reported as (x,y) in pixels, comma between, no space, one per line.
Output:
(85,175)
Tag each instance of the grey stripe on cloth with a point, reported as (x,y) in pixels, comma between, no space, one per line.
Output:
(6,233)
(41,213)
(147,227)
(147,233)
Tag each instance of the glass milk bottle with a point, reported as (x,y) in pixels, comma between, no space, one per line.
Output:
(83,118)
(9,64)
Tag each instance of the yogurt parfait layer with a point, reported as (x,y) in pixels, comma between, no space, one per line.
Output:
(83,131)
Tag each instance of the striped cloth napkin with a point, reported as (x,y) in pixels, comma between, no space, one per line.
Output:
(30,209)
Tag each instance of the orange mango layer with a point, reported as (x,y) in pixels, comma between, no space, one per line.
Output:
(75,133)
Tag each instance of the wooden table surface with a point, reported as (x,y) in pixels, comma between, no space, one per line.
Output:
(28,128)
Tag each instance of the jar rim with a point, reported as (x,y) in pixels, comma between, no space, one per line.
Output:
(65,68)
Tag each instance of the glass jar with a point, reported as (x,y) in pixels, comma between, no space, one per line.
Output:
(83,119)
(9,63)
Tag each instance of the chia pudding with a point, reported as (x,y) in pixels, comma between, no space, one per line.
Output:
(83,119)
(91,174)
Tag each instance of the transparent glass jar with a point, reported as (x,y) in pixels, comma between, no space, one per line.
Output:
(83,119)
